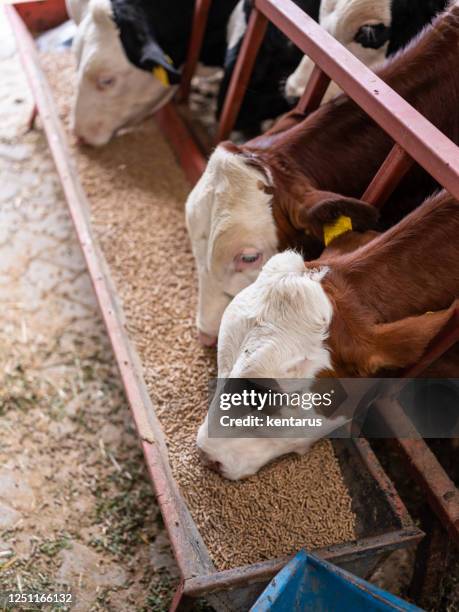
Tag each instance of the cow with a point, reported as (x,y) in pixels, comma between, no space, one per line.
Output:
(129,55)
(280,189)
(276,59)
(370,29)
(364,313)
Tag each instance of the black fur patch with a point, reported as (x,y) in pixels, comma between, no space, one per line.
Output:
(150,30)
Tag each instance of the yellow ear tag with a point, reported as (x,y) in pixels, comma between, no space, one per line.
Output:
(160,73)
(332,230)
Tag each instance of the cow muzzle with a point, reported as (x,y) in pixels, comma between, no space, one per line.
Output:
(207,339)
(215,466)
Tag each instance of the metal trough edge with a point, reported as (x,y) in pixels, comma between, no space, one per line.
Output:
(199,575)
(266,570)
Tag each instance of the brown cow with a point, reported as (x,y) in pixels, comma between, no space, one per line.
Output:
(369,312)
(278,190)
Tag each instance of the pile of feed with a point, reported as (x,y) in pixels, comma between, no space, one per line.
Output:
(137,194)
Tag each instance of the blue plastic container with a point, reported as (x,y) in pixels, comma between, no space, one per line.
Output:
(309,584)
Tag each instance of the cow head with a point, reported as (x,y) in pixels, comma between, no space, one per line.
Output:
(232,232)
(263,331)
(112,92)
(362,27)
(282,327)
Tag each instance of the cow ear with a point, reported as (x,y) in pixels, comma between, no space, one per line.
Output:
(156,61)
(252,160)
(402,343)
(330,208)
(101,13)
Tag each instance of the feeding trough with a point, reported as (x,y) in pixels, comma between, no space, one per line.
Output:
(380,528)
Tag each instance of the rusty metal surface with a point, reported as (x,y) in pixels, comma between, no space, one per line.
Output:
(41,16)
(314,91)
(377,471)
(349,554)
(201,13)
(441,492)
(438,487)
(431,562)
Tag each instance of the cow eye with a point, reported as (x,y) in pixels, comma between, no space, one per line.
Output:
(250,258)
(105,82)
(372,36)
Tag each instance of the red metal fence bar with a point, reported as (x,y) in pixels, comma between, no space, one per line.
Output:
(253,38)
(314,92)
(393,169)
(441,493)
(201,13)
(190,157)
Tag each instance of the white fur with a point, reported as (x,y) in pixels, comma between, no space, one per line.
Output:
(226,212)
(236,25)
(277,329)
(76,9)
(99,114)
(242,457)
(342,19)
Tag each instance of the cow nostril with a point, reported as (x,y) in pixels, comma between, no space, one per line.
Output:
(81,141)
(215,466)
(207,339)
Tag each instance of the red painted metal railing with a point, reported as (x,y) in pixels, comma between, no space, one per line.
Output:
(201,13)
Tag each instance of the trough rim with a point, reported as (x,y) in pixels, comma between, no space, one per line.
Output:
(198,574)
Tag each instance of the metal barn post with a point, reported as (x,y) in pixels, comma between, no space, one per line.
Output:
(253,38)
(201,13)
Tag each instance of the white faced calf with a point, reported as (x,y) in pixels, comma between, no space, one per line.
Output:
(232,232)
(274,329)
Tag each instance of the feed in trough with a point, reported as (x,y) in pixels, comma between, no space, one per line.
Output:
(137,194)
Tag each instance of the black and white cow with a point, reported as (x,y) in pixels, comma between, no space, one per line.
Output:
(370,29)
(276,59)
(129,55)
